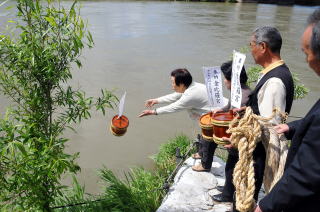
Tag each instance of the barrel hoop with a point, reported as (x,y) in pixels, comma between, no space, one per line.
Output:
(219,141)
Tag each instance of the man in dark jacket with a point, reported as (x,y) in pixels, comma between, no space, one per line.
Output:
(299,188)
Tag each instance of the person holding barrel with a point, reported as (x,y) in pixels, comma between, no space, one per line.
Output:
(188,95)
(210,146)
(274,89)
(298,189)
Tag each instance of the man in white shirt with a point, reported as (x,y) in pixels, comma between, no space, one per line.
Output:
(188,95)
(298,189)
(274,89)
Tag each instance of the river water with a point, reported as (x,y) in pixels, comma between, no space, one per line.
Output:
(138,44)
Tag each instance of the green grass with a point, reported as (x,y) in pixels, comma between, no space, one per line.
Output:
(165,160)
(139,191)
(222,153)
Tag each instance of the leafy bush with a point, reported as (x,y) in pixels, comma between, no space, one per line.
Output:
(300,91)
(141,190)
(35,66)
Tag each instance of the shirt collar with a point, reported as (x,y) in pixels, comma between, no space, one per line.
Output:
(272,66)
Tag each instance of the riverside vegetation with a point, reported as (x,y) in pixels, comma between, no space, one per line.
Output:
(141,190)
(35,66)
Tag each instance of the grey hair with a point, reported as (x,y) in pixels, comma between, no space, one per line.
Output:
(314,19)
(271,36)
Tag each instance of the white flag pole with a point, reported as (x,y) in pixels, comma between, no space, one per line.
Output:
(121,104)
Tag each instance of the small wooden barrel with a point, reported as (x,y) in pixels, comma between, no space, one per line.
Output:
(205,123)
(220,122)
(119,125)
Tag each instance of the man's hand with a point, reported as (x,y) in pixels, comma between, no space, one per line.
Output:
(228,146)
(150,102)
(258,209)
(281,128)
(239,109)
(147,113)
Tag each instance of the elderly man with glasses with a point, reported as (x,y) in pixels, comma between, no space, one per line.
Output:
(274,89)
(299,188)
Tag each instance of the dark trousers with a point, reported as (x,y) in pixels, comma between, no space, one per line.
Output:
(207,151)
(259,157)
(233,157)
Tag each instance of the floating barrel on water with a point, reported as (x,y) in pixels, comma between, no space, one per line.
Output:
(119,125)
(220,122)
(205,123)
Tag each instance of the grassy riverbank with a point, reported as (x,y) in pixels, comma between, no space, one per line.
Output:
(141,190)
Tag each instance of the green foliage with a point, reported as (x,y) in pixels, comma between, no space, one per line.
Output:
(300,91)
(253,75)
(35,66)
(222,153)
(165,160)
(138,192)
(75,200)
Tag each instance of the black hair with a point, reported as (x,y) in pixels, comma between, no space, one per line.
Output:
(182,76)
(226,69)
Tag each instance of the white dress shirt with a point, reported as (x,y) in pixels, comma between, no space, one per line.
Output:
(272,94)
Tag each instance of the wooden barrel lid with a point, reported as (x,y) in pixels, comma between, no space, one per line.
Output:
(206,119)
(122,122)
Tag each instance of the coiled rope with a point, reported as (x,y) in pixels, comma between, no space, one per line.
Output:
(245,133)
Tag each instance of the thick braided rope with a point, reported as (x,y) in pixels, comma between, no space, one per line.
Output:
(244,135)
(276,153)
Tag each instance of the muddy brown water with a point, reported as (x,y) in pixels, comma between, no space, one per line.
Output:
(137,45)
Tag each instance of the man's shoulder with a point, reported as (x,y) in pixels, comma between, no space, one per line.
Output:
(197,85)
(273,80)
(280,75)
(196,90)
(282,69)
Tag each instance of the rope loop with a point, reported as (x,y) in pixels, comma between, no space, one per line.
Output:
(245,134)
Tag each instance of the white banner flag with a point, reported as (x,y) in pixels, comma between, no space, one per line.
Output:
(237,64)
(212,77)
(121,104)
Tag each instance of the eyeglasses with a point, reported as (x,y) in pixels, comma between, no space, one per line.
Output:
(252,43)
